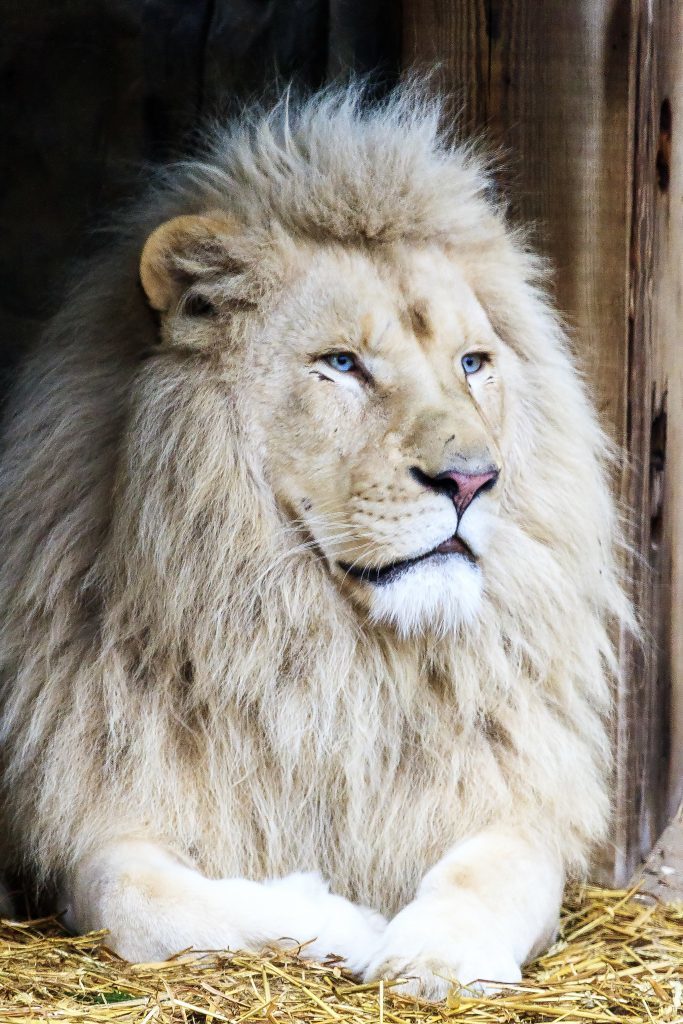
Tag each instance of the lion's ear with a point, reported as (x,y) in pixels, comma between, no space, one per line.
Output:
(182,251)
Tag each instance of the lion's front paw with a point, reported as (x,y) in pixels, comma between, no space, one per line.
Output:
(433,956)
(431,976)
(324,922)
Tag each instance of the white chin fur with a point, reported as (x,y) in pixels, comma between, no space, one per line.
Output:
(436,595)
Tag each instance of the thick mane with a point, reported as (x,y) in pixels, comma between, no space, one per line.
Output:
(318,171)
(334,168)
(171,656)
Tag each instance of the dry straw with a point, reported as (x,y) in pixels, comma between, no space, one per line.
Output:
(619,959)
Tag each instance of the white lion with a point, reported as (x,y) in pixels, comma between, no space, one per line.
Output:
(309,570)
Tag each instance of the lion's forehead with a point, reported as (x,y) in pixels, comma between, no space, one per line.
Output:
(425,292)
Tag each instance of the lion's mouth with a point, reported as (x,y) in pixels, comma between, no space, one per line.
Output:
(386,573)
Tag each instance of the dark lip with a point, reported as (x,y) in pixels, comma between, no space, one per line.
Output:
(386,573)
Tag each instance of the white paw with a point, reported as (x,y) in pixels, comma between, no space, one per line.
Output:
(434,955)
(325,923)
(349,930)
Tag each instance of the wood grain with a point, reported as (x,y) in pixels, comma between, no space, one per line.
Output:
(572,93)
(666,475)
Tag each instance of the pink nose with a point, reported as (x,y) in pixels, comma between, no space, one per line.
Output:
(464,487)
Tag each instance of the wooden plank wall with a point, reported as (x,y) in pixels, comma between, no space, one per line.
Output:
(572,94)
(667,332)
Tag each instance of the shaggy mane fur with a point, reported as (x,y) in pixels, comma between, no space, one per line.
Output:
(172,665)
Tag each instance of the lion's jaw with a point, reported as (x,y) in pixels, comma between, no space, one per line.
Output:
(352,456)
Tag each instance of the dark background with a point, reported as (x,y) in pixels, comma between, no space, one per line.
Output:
(92,91)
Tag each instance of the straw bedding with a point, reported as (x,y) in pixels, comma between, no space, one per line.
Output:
(619,958)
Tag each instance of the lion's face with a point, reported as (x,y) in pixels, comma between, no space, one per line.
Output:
(383,416)
(376,385)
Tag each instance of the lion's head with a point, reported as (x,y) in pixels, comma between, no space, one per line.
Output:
(391,352)
(377,386)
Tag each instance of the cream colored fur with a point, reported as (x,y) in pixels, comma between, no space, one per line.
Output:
(196,699)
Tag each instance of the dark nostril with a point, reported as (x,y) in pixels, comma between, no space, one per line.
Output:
(421,477)
(442,483)
(489,484)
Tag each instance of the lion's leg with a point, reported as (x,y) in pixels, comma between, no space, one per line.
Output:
(154,905)
(479,914)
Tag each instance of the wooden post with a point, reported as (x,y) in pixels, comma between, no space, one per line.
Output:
(666,491)
(574,94)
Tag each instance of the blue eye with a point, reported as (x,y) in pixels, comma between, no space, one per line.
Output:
(472,362)
(341,361)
